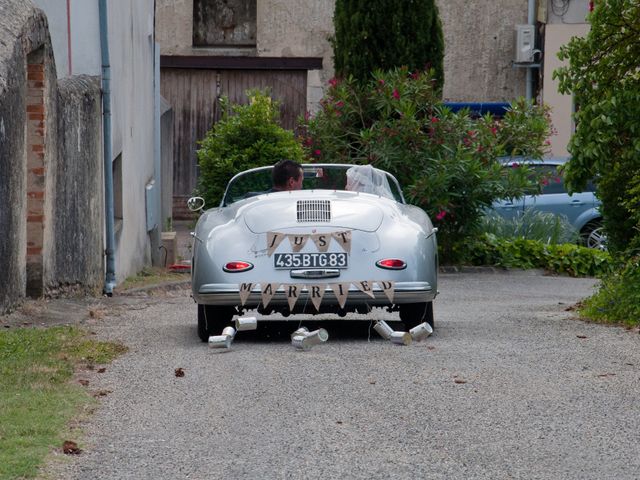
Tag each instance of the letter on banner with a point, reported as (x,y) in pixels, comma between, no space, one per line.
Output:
(322,241)
(316,292)
(344,239)
(387,288)
(293,292)
(298,241)
(268,291)
(340,290)
(366,286)
(273,240)
(244,289)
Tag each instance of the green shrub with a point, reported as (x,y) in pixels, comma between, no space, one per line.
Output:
(567,258)
(246,136)
(445,161)
(601,73)
(545,227)
(618,299)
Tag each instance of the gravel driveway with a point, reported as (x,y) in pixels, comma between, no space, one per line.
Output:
(509,386)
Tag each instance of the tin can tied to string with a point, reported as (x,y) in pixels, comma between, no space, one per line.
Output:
(383,329)
(420,332)
(305,340)
(246,323)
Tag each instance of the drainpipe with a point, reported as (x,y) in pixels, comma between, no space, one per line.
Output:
(110,276)
(531,16)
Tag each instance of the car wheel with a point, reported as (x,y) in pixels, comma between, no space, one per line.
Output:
(212,319)
(593,235)
(413,314)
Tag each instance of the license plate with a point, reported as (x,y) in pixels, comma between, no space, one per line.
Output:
(310,260)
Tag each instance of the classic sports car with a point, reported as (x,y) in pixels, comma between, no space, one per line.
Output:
(322,249)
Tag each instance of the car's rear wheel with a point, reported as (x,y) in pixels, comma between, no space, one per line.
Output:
(212,319)
(413,314)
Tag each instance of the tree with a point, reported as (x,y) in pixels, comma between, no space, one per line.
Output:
(604,77)
(247,136)
(446,161)
(383,34)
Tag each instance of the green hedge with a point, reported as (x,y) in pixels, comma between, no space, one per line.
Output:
(618,299)
(564,258)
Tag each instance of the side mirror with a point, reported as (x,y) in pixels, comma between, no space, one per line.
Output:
(195,203)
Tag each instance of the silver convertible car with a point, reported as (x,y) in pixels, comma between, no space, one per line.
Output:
(335,246)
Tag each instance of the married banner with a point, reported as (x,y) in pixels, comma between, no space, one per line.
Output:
(316,292)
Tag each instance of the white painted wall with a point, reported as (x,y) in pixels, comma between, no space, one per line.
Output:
(131,45)
(81,20)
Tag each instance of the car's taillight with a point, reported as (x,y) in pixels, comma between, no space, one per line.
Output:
(237,267)
(391,264)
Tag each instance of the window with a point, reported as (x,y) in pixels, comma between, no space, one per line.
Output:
(224,23)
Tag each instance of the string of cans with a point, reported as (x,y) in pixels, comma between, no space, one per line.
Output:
(303,339)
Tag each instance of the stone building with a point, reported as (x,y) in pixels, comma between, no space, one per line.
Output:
(51,143)
(212,47)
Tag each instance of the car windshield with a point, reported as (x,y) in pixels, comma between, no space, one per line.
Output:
(357,178)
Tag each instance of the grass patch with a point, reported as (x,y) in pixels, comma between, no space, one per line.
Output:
(37,401)
(150,276)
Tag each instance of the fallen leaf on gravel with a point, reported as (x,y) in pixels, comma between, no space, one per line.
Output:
(372,382)
(459,380)
(70,448)
(102,393)
(581,336)
(179,372)
(83,382)
(607,375)
(102,370)
(630,364)
(339,422)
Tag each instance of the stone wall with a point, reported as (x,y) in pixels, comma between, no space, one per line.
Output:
(50,167)
(12,176)
(479,49)
(24,39)
(78,206)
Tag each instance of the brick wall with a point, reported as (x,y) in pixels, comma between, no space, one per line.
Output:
(36,171)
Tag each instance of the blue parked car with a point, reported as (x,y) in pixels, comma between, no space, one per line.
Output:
(581,208)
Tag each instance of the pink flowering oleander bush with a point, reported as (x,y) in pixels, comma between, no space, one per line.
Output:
(446,162)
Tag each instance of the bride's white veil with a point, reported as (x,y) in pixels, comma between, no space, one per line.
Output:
(366,179)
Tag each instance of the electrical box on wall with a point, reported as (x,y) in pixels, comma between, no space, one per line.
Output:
(525,38)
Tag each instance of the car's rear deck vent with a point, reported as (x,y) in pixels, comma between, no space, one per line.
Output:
(314,211)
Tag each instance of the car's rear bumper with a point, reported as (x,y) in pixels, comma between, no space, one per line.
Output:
(228,294)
